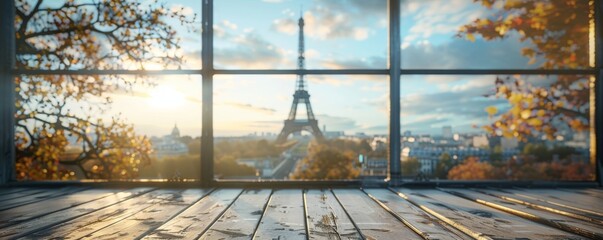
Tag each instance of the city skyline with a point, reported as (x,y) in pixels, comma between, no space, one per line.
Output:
(270,40)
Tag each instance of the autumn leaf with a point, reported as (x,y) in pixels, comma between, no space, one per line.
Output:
(470,37)
(491,110)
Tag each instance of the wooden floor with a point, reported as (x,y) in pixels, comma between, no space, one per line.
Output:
(146,213)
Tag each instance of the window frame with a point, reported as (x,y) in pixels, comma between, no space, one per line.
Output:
(207,71)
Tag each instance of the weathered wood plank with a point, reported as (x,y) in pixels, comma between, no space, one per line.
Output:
(241,218)
(87,224)
(194,221)
(47,221)
(4,196)
(284,217)
(583,228)
(38,197)
(161,210)
(573,213)
(579,202)
(23,213)
(593,192)
(8,190)
(429,227)
(327,218)
(372,220)
(479,221)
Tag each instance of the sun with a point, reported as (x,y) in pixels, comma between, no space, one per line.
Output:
(165,97)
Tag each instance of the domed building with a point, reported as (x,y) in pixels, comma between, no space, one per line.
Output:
(169,145)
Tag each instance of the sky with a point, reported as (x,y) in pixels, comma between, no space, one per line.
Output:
(339,34)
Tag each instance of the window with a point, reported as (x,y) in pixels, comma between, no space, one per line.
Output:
(254,126)
(526,122)
(394,90)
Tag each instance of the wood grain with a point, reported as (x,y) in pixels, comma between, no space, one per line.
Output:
(584,203)
(478,221)
(49,220)
(584,228)
(241,219)
(38,197)
(429,227)
(326,217)
(284,217)
(372,220)
(87,224)
(195,220)
(8,195)
(162,208)
(24,213)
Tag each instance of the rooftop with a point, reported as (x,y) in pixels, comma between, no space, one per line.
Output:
(344,213)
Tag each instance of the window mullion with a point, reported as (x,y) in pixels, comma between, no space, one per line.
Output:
(7,91)
(598,15)
(207,135)
(394,91)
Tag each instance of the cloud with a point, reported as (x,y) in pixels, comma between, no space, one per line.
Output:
(336,123)
(428,18)
(273,1)
(344,80)
(285,25)
(229,25)
(460,105)
(463,54)
(249,50)
(360,8)
(349,19)
(249,107)
(373,62)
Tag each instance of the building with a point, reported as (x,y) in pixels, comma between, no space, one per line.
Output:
(169,145)
(374,166)
(447,132)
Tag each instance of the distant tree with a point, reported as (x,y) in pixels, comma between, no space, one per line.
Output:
(52,110)
(537,151)
(327,162)
(411,166)
(472,169)
(227,166)
(194,147)
(557,35)
(444,165)
(249,149)
(173,167)
(496,153)
(186,139)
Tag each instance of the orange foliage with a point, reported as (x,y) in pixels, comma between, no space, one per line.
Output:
(524,170)
(326,161)
(471,169)
(53,109)
(557,33)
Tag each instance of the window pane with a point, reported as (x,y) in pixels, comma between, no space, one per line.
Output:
(350,113)
(108,127)
(515,127)
(337,33)
(469,34)
(87,34)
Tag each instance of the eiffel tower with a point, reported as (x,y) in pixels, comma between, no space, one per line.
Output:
(301,95)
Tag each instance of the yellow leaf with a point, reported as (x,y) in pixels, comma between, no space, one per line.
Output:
(536,122)
(541,113)
(525,114)
(559,104)
(491,110)
(515,98)
(471,37)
